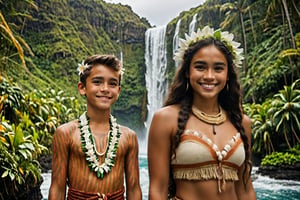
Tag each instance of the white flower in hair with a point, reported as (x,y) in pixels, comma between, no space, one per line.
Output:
(122,70)
(81,67)
(207,32)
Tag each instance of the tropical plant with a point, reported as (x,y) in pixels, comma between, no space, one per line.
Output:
(19,169)
(285,112)
(12,98)
(27,133)
(292,53)
(234,13)
(9,37)
(290,157)
(263,129)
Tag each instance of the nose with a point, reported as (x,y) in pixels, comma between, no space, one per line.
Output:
(104,86)
(209,74)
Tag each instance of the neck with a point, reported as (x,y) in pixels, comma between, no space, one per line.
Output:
(98,116)
(207,105)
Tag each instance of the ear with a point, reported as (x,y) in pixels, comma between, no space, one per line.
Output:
(119,91)
(81,88)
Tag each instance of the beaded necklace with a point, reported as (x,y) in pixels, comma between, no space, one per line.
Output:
(89,148)
(210,119)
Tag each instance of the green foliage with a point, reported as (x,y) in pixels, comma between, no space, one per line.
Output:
(280,158)
(27,125)
(63,33)
(262,127)
(285,113)
(276,120)
(19,168)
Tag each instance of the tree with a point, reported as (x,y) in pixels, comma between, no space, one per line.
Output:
(285,110)
(273,4)
(9,36)
(263,128)
(235,13)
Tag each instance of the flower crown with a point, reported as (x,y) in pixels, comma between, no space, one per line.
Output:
(207,32)
(81,67)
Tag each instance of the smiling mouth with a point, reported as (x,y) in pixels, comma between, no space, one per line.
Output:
(103,97)
(208,86)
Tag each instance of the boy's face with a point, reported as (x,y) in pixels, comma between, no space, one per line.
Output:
(102,87)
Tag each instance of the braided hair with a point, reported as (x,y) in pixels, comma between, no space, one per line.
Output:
(229,99)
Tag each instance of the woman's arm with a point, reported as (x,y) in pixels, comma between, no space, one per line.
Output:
(247,193)
(159,143)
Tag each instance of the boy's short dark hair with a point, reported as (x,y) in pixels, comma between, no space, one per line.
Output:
(110,61)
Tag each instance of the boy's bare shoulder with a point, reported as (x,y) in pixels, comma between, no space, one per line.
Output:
(127,131)
(68,127)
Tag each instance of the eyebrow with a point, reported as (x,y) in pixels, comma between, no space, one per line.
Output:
(203,63)
(102,78)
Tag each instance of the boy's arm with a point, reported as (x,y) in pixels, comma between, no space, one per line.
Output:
(60,159)
(133,189)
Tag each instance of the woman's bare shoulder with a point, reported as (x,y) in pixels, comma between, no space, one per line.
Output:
(247,125)
(168,112)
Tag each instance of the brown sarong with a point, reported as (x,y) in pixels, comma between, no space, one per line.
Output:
(74,194)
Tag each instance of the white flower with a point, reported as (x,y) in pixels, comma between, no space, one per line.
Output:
(81,67)
(122,71)
(88,146)
(207,32)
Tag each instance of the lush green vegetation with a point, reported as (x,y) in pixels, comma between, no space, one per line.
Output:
(60,34)
(27,124)
(282,158)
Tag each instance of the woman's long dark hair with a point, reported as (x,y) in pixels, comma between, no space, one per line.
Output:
(229,98)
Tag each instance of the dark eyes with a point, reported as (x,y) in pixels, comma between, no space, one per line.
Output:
(112,83)
(200,67)
(217,68)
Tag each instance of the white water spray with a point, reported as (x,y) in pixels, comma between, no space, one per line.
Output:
(176,40)
(156,66)
(193,24)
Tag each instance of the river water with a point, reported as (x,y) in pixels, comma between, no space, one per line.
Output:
(266,188)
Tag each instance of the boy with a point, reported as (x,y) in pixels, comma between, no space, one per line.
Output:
(92,153)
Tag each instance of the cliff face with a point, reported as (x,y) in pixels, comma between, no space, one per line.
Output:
(64,32)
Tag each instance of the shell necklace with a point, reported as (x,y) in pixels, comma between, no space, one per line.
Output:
(210,119)
(89,148)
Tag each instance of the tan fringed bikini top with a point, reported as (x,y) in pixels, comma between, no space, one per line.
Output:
(198,158)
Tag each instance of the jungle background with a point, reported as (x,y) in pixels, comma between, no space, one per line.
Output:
(41,42)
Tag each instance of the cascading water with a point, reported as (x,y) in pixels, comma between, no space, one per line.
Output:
(176,40)
(193,24)
(156,65)
(121,56)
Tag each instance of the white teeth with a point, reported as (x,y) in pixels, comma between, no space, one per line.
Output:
(208,86)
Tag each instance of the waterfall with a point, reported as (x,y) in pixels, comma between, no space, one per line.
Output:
(193,24)
(156,65)
(121,56)
(176,40)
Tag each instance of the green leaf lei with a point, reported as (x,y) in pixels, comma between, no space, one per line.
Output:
(89,148)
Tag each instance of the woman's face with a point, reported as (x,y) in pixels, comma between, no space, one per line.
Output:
(208,73)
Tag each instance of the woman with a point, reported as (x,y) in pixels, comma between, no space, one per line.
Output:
(199,142)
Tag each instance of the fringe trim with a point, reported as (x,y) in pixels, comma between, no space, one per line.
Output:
(206,173)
